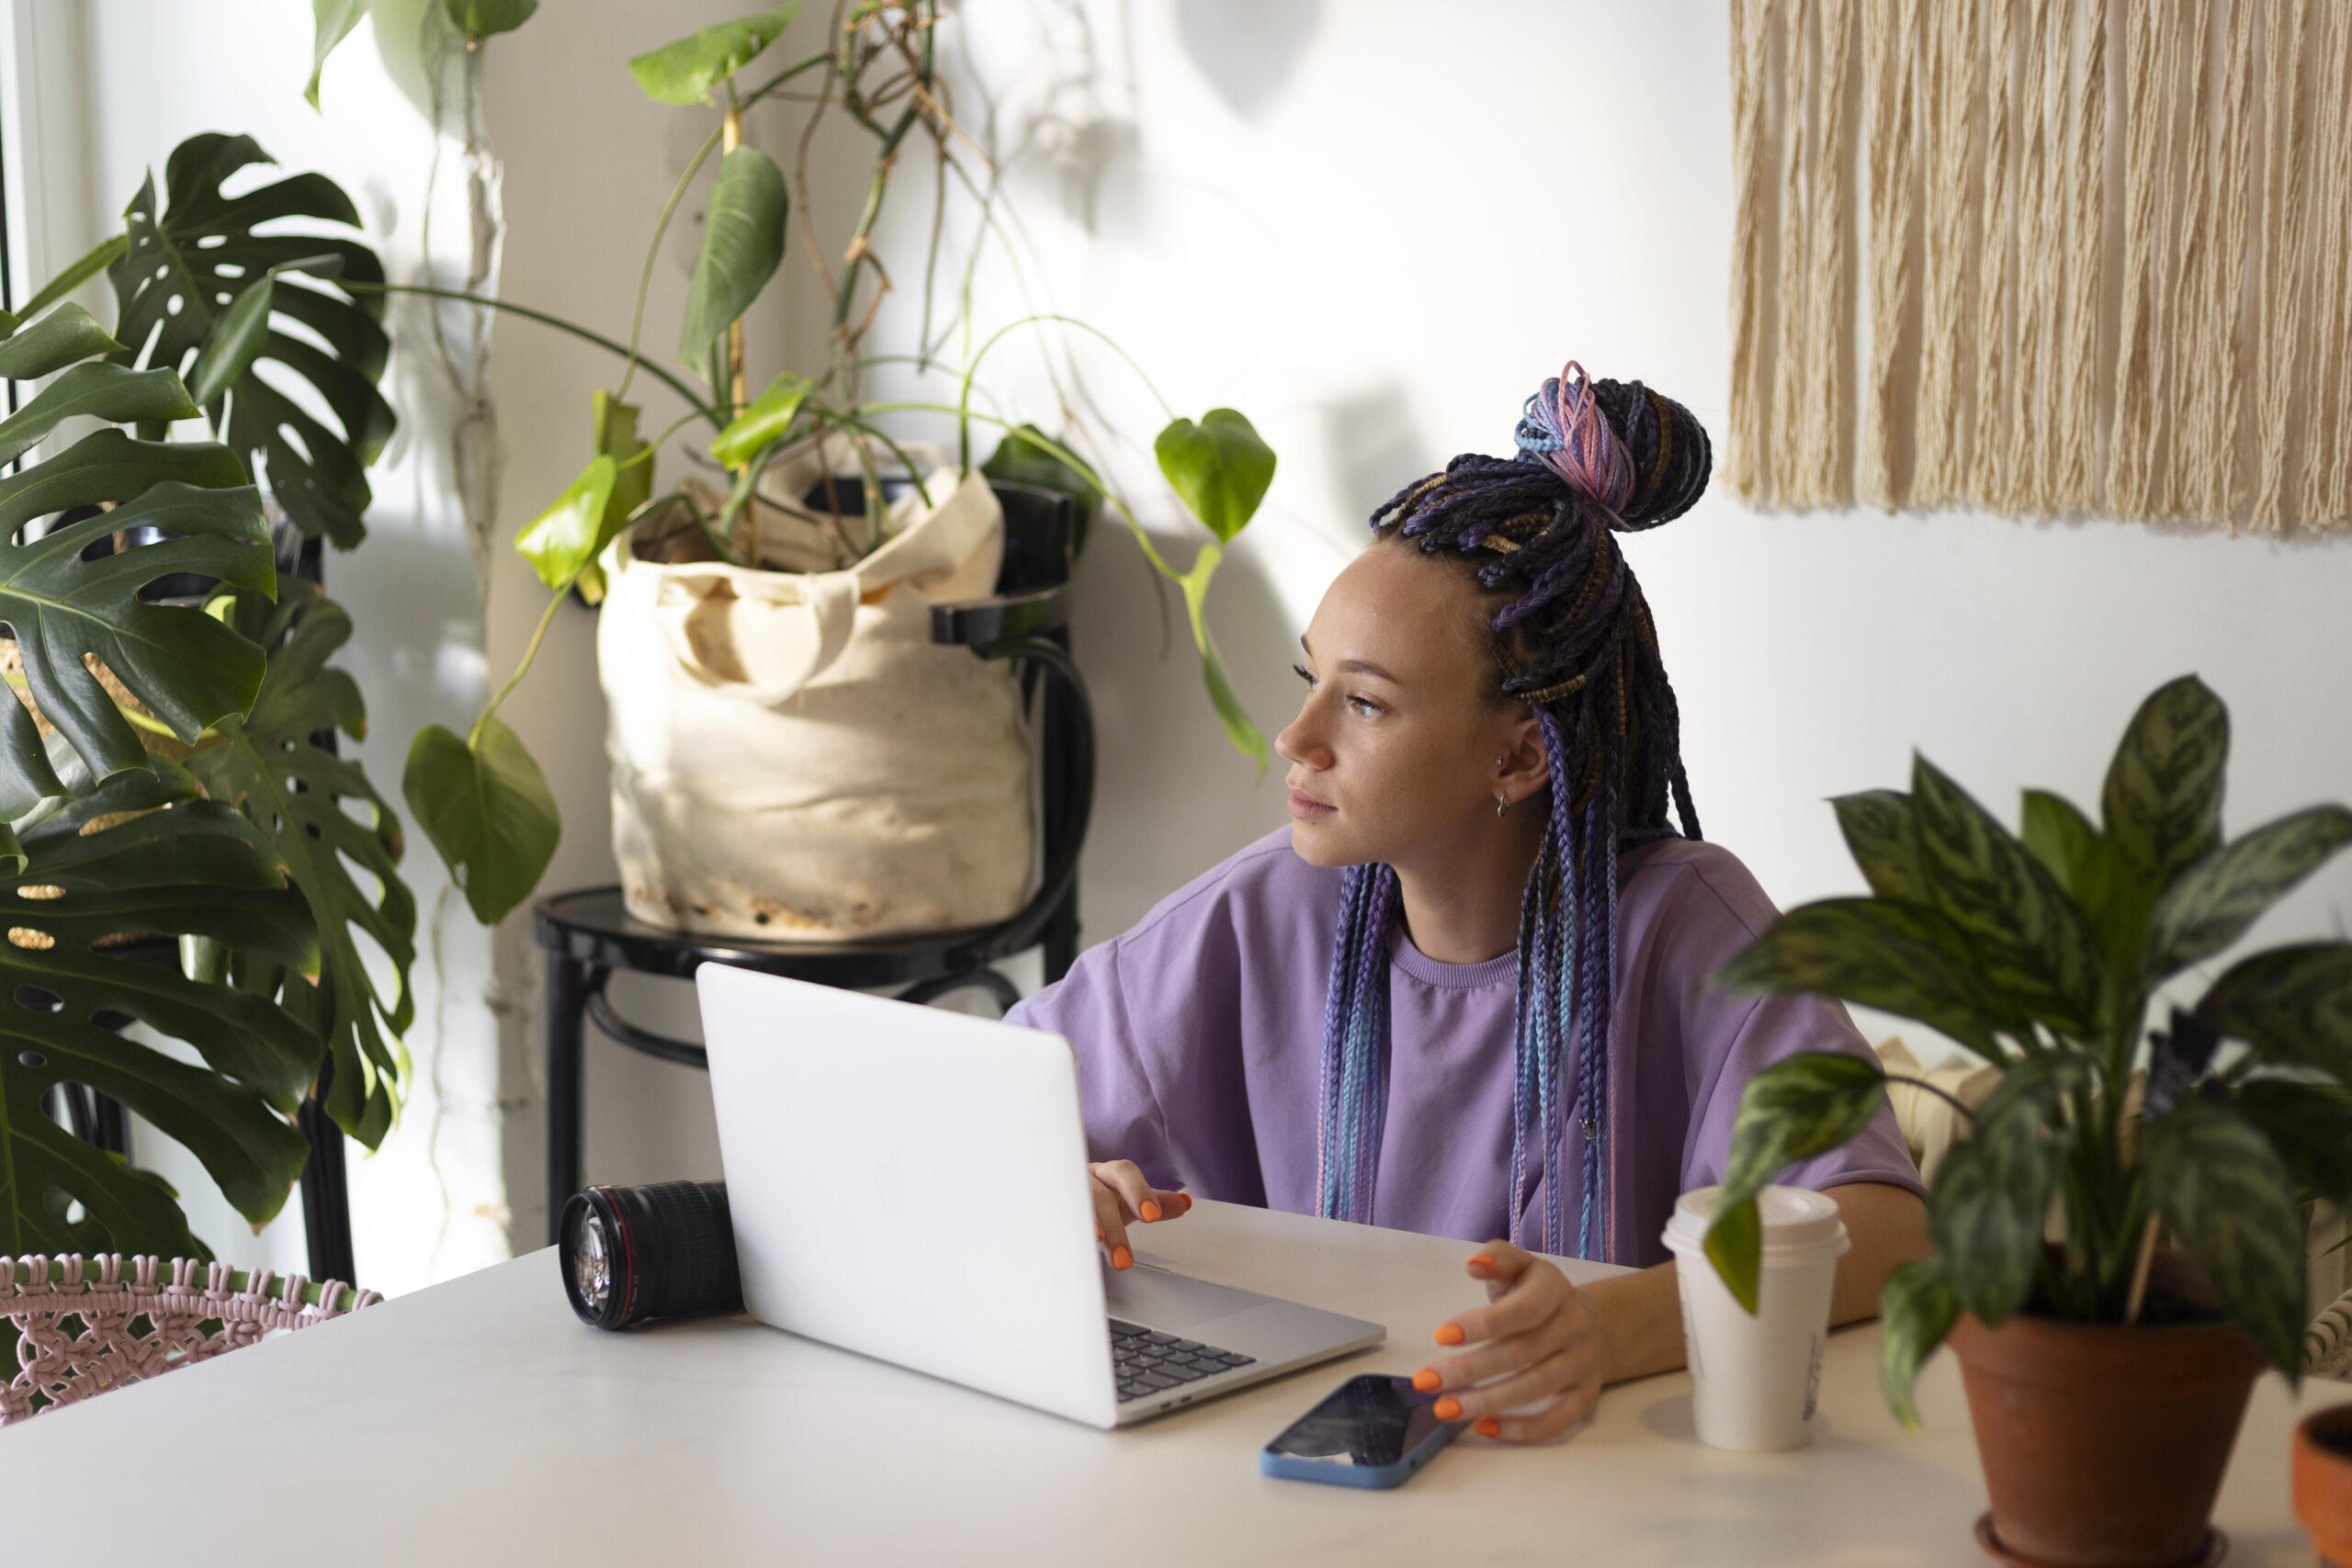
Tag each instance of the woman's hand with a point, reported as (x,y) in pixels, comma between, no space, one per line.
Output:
(1537,1328)
(1121,1198)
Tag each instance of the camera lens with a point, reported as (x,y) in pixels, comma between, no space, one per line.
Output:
(663,1250)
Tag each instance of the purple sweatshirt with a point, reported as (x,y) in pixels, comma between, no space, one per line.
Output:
(1199,1034)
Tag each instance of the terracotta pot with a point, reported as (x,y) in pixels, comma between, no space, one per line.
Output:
(2323,1482)
(2103,1446)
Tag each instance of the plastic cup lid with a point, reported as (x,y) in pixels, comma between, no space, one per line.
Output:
(1793,1217)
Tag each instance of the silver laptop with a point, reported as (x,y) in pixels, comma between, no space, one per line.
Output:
(911,1183)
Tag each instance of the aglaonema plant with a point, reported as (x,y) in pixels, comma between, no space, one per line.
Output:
(481,797)
(2046,951)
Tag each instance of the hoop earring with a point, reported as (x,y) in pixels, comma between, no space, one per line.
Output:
(1501,806)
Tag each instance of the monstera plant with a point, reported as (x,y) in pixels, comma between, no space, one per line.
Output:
(169,770)
(2170,1161)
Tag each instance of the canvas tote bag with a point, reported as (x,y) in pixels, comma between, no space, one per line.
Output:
(793,758)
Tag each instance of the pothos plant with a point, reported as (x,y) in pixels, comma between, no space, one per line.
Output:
(480,796)
(2043,952)
(166,770)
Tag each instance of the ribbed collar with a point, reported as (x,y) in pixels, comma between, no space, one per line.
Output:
(1502,970)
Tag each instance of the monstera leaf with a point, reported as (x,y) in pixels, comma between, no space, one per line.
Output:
(68,614)
(201,294)
(337,839)
(143,855)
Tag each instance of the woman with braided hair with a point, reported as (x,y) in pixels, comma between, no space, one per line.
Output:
(1463,992)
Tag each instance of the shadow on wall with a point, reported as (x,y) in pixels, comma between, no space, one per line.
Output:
(1245,50)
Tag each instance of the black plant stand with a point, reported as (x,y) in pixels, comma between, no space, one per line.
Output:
(588,933)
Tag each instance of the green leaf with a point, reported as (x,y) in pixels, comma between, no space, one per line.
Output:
(488,809)
(2033,943)
(2210,904)
(1021,459)
(1883,831)
(234,342)
(1915,1310)
(743,240)
(142,855)
(2162,799)
(1218,467)
(340,843)
(2309,1125)
(2113,897)
(88,265)
(1985,1211)
(479,19)
(615,429)
(330,23)
(63,611)
(1238,730)
(567,536)
(2293,1004)
(687,71)
(764,423)
(1898,958)
(2228,1199)
(1794,1110)
(189,264)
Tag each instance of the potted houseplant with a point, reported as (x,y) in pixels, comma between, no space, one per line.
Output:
(168,758)
(2107,1365)
(480,796)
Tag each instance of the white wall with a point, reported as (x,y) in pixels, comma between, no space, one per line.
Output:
(1373,227)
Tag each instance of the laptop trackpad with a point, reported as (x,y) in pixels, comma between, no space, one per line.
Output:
(1161,1298)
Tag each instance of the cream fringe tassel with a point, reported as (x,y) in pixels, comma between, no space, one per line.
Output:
(2219,392)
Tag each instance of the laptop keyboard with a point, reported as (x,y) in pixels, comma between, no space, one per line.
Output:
(1149,1362)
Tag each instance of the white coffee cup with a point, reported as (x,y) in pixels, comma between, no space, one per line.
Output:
(1754,1376)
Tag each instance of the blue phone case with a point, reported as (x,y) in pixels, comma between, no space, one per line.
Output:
(1292,1468)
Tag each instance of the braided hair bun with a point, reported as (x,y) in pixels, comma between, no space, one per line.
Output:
(1637,453)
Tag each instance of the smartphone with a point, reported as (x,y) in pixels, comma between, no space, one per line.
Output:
(1372,1430)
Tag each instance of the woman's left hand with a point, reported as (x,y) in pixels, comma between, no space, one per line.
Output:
(1536,1327)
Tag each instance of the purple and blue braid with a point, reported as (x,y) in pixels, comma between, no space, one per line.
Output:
(1574,641)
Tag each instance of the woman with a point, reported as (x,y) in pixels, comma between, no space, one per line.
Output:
(1452,996)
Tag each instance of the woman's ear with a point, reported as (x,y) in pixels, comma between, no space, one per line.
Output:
(1526,766)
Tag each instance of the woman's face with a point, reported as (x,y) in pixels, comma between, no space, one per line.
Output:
(1394,739)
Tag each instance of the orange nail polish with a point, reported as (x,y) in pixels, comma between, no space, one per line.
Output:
(1122,1258)
(1485,1258)
(1449,1334)
(1447,1409)
(1098,1232)
(1486,1426)
(1150,1210)
(1426,1380)
(1188,1203)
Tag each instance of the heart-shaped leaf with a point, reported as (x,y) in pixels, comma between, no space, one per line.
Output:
(1220,467)
(765,423)
(567,536)
(2032,942)
(1898,958)
(330,22)
(340,843)
(142,855)
(687,71)
(479,19)
(2210,904)
(743,240)
(614,428)
(2163,800)
(488,809)
(2230,1206)
(191,262)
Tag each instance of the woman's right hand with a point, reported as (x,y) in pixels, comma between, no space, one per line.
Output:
(1122,1196)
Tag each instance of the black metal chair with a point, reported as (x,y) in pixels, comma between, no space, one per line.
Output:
(588,933)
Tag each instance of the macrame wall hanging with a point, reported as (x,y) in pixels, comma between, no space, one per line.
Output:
(1956,285)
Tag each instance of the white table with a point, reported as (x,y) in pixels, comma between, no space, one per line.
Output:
(479,1422)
